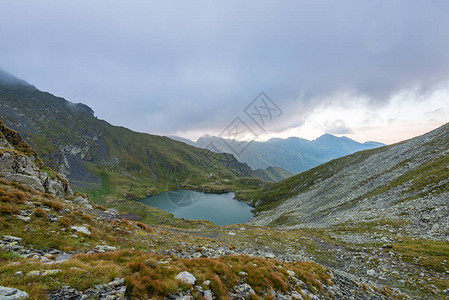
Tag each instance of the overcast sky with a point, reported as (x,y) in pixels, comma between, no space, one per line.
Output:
(370,70)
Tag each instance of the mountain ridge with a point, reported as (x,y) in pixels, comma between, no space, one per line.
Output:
(397,182)
(293,154)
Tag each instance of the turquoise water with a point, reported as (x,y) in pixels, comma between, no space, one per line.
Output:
(220,209)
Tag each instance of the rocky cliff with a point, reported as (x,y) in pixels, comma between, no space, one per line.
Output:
(19,163)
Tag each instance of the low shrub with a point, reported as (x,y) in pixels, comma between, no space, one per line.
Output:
(56,205)
(41,213)
(8,209)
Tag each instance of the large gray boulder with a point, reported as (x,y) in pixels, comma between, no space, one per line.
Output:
(7,293)
(186,277)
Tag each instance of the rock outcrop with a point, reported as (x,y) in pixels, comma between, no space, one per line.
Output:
(7,293)
(18,162)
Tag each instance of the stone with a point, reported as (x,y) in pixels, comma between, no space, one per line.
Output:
(231,233)
(81,229)
(33,273)
(243,273)
(7,293)
(199,288)
(51,272)
(208,295)
(104,248)
(206,282)
(18,274)
(62,257)
(186,277)
(44,260)
(23,218)
(244,289)
(10,238)
(371,272)
(83,202)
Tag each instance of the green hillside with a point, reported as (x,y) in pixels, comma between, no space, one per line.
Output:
(111,162)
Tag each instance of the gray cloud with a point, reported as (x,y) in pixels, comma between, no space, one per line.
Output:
(337,127)
(172,66)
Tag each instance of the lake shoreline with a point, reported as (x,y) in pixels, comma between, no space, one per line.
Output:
(219,208)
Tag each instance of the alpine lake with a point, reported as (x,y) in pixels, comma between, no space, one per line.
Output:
(220,209)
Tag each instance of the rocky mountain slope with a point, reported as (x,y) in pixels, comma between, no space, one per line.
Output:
(60,246)
(109,161)
(292,154)
(406,183)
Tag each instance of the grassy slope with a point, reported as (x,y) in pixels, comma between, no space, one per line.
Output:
(273,194)
(429,176)
(273,174)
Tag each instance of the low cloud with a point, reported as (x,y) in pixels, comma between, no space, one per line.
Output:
(337,127)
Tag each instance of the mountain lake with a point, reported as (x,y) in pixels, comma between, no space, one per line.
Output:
(220,209)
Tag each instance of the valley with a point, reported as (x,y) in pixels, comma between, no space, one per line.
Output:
(370,225)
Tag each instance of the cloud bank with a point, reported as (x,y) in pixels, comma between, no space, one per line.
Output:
(191,67)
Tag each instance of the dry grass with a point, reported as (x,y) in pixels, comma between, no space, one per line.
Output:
(56,205)
(87,217)
(12,196)
(8,209)
(145,227)
(41,214)
(65,222)
(100,207)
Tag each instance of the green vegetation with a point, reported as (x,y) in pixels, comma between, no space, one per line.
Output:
(273,174)
(432,255)
(145,276)
(111,162)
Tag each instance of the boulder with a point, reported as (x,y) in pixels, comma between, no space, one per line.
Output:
(51,272)
(8,293)
(186,277)
(104,248)
(81,229)
(83,202)
(244,289)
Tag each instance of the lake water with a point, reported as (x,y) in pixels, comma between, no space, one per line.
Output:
(220,209)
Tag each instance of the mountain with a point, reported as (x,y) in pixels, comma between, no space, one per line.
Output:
(273,174)
(270,173)
(406,183)
(112,163)
(56,245)
(292,154)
